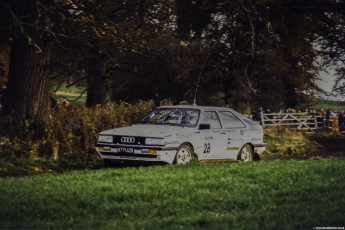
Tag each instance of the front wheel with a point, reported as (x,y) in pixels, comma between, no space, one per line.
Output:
(183,154)
(246,153)
(107,163)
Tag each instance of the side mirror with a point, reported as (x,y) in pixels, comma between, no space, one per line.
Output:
(204,126)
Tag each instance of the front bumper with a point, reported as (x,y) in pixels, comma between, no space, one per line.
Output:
(125,153)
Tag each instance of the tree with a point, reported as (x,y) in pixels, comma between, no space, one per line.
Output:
(27,94)
(35,27)
(264,51)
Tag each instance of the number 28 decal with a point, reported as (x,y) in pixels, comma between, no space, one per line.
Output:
(207,148)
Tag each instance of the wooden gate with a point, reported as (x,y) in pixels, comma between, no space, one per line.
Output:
(301,121)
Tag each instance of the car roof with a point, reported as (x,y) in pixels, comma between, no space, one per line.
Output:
(196,107)
(203,108)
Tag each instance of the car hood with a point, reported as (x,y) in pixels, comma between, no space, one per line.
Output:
(148,130)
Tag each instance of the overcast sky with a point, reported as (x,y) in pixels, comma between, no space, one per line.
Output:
(327,81)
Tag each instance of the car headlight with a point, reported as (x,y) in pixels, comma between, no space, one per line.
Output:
(154,141)
(103,138)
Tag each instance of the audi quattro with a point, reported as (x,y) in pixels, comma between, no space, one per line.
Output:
(176,134)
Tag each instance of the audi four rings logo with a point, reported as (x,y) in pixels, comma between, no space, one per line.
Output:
(127,139)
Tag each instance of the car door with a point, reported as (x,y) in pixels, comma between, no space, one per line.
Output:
(212,140)
(234,130)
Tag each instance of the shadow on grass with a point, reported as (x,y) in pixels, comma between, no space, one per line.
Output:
(11,166)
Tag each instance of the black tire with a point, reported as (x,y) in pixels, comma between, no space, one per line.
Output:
(107,163)
(184,154)
(246,153)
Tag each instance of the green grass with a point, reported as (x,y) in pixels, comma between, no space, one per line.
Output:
(289,143)
(11,166)
(73,99)
(329,104)
(74,94)
(68,89)
(256,195)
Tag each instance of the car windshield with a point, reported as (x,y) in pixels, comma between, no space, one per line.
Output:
(172,116)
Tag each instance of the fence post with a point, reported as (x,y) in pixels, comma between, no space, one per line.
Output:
(262,119)
(315,120)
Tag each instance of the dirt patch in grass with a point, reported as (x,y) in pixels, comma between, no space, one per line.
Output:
(334,146)
(283,143)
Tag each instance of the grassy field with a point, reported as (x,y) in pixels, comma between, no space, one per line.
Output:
(75,95)
(329,104)
(277,194)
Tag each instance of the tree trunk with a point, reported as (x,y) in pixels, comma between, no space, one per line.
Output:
(28,93)
(95,84)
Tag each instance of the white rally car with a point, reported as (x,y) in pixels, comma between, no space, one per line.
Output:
(176,134)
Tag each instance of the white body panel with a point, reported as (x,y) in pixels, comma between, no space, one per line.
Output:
(222,141)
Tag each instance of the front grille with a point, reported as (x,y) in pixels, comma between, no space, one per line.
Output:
(129,140)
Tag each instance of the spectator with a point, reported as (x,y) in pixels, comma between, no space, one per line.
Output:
(64,102)
(327,118)
(328,114)
(320,117)
(334,113)
(268,110)
(259,114)
(341,121)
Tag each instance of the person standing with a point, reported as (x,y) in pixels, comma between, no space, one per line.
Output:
(341,121)
(259,114)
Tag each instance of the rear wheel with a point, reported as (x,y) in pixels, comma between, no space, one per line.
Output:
(184,154)
(246,153)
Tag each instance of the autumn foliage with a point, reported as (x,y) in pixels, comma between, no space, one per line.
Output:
(68,131)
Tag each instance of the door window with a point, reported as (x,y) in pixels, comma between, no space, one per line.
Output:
(230,120)
(211,117)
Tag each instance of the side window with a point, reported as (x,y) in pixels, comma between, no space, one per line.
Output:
(230,120)
(212,119)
